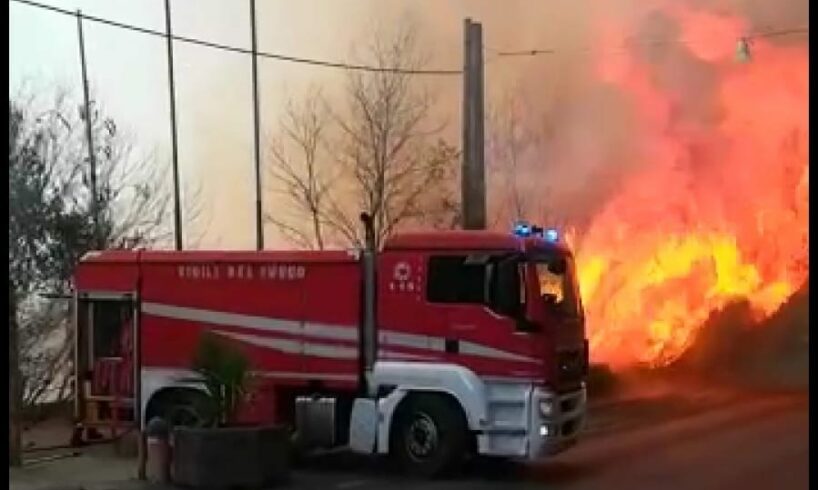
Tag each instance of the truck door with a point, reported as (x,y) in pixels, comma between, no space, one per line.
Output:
(456,291)
(406,326)
(459,291)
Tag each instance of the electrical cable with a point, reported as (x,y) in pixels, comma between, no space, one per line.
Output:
(225,47)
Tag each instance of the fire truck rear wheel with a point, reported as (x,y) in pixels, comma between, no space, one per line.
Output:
(181,407)
(430,435)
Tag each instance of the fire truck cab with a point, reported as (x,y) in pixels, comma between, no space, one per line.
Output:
(440,344)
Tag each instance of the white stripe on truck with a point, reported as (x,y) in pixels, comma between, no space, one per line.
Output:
(320,331)
(329,351)
(252,322)
(290,346)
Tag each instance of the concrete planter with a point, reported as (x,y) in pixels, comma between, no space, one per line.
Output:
(230,457)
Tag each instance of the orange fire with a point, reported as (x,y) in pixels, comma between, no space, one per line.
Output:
(719,209)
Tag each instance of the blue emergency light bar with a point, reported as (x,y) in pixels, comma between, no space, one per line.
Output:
(523,229)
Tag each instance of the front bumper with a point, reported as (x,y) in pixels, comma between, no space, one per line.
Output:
(557,429)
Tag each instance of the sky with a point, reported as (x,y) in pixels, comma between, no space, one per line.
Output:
(128,74)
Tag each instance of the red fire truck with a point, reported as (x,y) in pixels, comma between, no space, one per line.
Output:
(440,344)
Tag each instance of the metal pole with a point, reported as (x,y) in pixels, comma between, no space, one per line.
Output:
(142,461)
(478,184)
(465,201)
(473,187)
(89,134)
(369,334)
(79,360)
(259,225)
(177,206)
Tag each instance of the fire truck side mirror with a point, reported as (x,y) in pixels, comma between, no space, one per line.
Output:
(557,266)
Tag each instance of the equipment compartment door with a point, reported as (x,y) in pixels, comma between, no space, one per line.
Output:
(105,349)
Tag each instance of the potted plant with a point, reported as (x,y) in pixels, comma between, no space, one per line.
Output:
(223,370)
(225,453)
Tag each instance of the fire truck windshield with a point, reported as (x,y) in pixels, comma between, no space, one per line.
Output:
(558,286)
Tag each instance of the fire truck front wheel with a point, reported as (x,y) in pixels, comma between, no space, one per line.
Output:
(429,435)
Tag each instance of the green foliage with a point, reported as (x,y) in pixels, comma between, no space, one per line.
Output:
(54,218)
(35,208)
(224,369)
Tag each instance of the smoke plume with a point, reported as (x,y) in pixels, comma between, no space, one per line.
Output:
(681,171)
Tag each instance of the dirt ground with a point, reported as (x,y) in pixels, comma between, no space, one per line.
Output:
(64,467)
(635,405)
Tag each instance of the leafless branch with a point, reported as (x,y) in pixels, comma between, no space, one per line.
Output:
(299,167)
(374,154)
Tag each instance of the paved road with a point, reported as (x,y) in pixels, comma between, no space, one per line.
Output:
(757,443)
(745,443)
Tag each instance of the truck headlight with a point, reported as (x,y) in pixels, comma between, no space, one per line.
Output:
(547,407)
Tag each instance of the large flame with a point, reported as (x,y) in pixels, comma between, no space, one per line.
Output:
(718,211)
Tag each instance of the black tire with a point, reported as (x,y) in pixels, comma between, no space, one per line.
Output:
(430,435)
(182,408)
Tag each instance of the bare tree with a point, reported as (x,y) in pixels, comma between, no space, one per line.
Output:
(385,132)
(517,152)
(507,140)
(379,153)
(45,347)
(300,170)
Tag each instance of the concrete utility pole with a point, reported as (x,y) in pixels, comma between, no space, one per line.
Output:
(473,180)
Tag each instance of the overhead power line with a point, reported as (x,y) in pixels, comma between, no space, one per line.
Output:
(781,32)
(763,34)
(235,49)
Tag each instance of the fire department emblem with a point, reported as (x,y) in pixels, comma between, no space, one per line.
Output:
(402,271)
(402,277)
